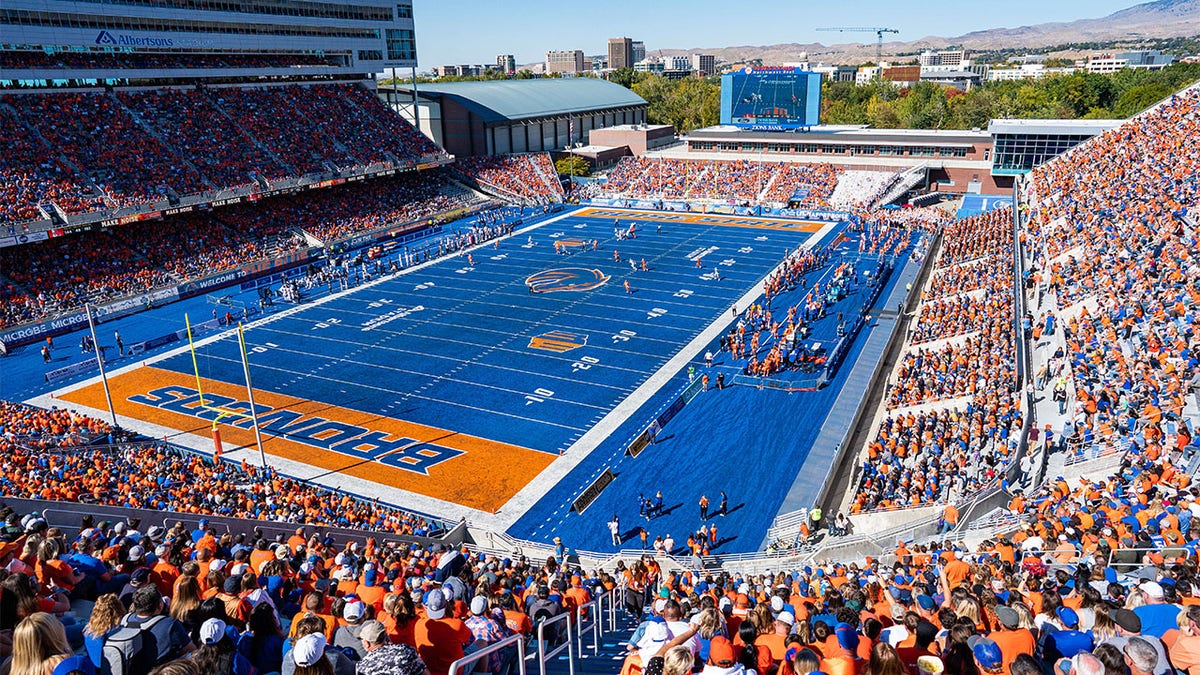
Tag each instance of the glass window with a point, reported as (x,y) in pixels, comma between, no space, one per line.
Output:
(31,18)
(401,45)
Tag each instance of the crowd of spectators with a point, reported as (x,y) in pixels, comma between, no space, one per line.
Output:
(966,368)
(189,121)
(1045,597)
(380,131)
(60,274)
(1050,596)
(920,457)
(1057,595)
(954,316)
(157,476)
(100,150)
(241,601)
(31,428)
(303,144)
(101,138)
(268,230)
(337,124)
(807,186)
(529,178)
(927,219)
(336,213)
(857,189)
(196,245)
(1107,226)
(30,174)
(738,181)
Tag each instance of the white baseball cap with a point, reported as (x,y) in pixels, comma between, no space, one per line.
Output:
(212,631)
(1152,589)
(309,649)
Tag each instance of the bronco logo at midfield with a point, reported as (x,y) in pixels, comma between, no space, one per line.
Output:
(566,279)
(558,341)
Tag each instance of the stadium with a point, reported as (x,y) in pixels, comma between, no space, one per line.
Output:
(288,385)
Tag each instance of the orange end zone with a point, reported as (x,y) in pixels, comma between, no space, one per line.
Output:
(718,219)
(467,470)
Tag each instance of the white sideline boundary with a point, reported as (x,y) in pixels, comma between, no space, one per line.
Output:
(405,500)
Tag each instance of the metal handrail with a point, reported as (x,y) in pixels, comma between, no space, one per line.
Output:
(518,640)
(594,627)
(612,609)
(568,644)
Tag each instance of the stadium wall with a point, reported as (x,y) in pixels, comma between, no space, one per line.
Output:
(69,516)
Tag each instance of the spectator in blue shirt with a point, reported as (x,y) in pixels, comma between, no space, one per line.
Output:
(1065,643)
(1157,616)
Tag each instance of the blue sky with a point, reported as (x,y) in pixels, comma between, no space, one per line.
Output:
(474,31)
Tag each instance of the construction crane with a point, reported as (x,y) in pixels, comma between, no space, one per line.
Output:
(878,34)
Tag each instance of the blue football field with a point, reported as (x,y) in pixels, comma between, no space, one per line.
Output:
(500,382)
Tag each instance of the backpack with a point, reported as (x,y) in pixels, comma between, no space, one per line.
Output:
(130,650)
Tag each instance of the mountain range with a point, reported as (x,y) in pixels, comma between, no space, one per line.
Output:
(1157,19)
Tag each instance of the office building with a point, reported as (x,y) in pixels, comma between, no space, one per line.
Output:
(564,61)
(836,73)
(945,57)
(335,37)
(620,53)
(1147,59)
(704,64)
(677,63)
(649,66)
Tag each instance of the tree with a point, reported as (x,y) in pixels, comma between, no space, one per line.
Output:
(882,114)
(524,74)
(685,104)
(924,107)
(572,165)
(842,112)
(693,104)
(623,76)
(655,89)
(1137,99)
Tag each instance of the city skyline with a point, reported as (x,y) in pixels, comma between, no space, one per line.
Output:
(475,32)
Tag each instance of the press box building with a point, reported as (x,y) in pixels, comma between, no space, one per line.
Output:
(355,38)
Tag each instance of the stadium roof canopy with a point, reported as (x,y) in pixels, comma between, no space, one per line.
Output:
(1051,127)
(502,100)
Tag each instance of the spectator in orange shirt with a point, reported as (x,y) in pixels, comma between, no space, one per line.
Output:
(440,638)
(1011,638)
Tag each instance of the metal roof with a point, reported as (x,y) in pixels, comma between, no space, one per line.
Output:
(504,100)
(1051,127)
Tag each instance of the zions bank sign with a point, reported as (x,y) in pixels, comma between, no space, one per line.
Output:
(109,39)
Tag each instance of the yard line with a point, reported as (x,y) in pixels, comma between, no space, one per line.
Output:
(456,361)
(568,309)
(440,315)
(600,346)
(435,378)
(502,414)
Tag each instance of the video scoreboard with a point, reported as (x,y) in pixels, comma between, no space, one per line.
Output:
(771,99)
